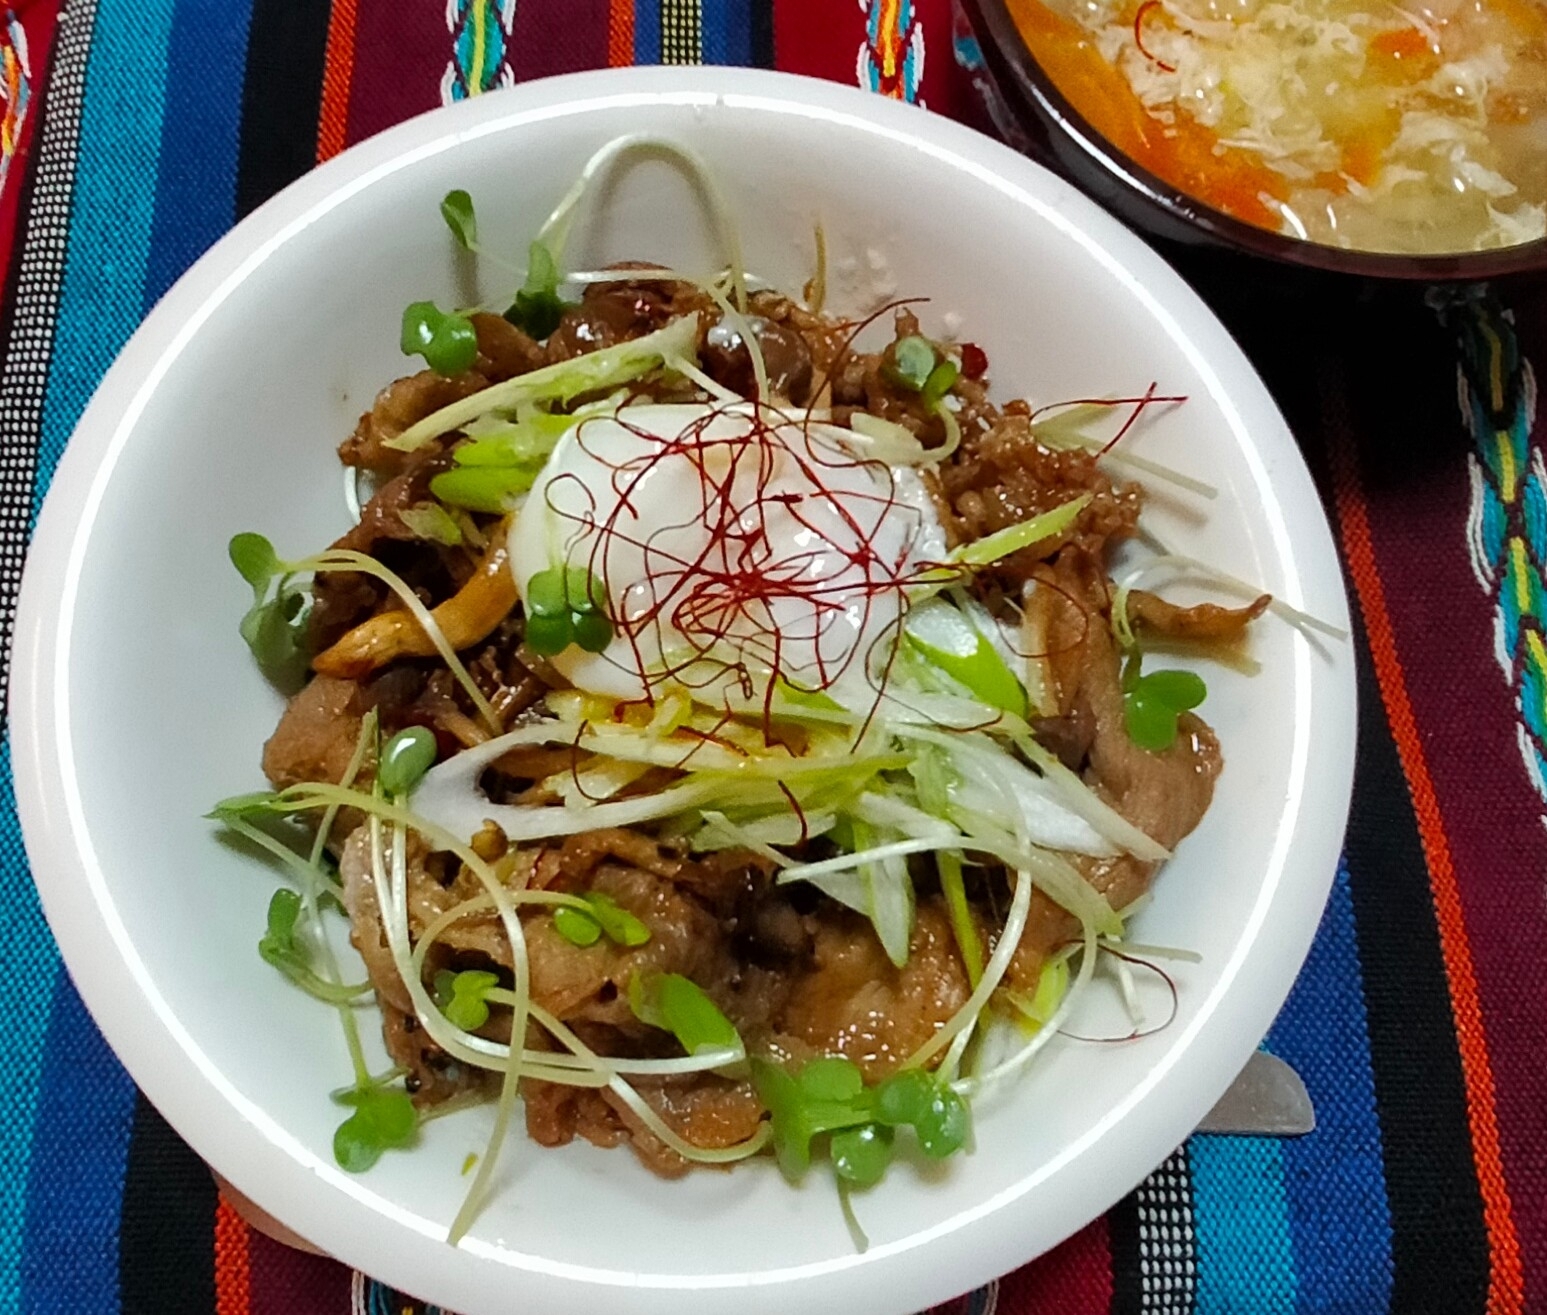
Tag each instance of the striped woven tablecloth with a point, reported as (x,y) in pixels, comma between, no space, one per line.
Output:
(135,132)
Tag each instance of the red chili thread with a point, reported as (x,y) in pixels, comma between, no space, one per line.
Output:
(794,803)
(732,584)
(1138,36)
(1137,1033)
(1150,398)
(719,740)
(574,764)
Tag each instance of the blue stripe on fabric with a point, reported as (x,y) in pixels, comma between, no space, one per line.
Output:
(111,213)
(1241,1220)
(727,27)
(27,985)
(196,181)
(1343,1255)
(80,1147)
(647,31)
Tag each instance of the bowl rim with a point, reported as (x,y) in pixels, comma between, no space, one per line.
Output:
(1034,90)
(81,911)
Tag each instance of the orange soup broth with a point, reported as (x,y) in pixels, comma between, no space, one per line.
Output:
(1374,128)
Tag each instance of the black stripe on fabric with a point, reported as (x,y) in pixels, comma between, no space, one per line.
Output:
(281,97)
(1127,1270)
(166,1242)
(1439,1245)
(1168,1272)
(762,25)
(40,240)
(682,32)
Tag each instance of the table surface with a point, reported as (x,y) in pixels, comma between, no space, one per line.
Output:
(135,132)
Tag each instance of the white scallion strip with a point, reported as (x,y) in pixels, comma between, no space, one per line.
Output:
(1139,950)
(1121,457)
(551,1066)
(818,285)
(1226,582)
(987,625)
(449,797)
(1044,812)
(993,973)
(971,1087)
(680,752)
(1095,810)
(951,1064)
(762,833)
(395,924)
(892,811)
(733,315)
(692,373)
(554,234)
(1129,992)
(561,381)
(875,854)
(718,826)
(953,432)
(1063,884)
(1067,430)
(1001,543)
(653,1121)
(885,440)
(449,793)
(595,784)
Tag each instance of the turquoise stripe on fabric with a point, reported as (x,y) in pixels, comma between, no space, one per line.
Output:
(80,1148)
(1343,1259)
(112,212)
(1241,1217)
(196,178)
(26,987)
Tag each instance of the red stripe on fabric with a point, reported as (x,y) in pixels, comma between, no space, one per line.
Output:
(819,38)
(233,1272)
(1506,1286)
(550,39)
(338,67)
(620,34)
(1072,1279)
(290,1282)
(37,21)
(402,52)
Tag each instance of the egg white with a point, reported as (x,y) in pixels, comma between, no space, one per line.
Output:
(784,582)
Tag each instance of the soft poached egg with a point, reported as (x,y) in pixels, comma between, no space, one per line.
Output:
(732,547)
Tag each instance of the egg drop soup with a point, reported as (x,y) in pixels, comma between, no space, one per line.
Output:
(1418,130)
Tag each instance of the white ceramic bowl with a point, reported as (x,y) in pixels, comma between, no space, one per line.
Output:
(135,705)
